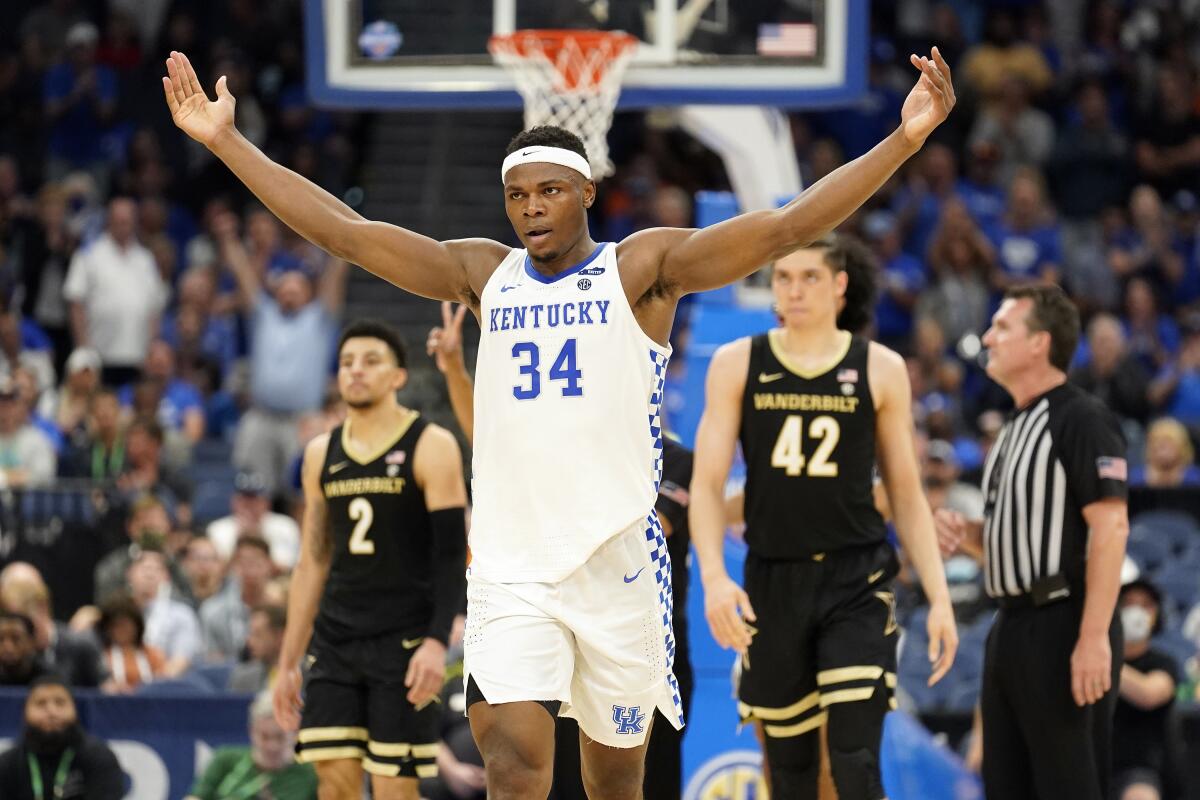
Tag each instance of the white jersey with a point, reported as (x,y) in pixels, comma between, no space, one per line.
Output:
(568,394)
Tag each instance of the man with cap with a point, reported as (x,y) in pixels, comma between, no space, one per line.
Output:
(55,757)
(26,456)
(1146,745)
(69,406)
(251,515)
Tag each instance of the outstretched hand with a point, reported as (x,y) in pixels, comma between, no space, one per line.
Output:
(930,101)
(445,342)
(191,110)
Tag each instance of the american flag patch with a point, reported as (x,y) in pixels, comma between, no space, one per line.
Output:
(847,376)
(395,457)
(787,39)
(673,491)
(1112,468)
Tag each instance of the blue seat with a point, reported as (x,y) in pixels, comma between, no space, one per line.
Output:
(216,676)
(1178,529)
(1148,550)
(1176,645)
(1179,583)
(186,684)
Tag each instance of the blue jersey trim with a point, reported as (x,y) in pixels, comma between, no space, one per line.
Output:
(540,278)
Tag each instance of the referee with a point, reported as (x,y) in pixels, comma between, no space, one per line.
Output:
(1053,540)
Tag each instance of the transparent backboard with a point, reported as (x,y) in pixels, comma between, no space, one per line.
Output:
(433,53)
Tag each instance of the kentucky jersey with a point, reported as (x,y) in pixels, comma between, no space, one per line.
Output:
(380,574)
(809,444)
(568,448)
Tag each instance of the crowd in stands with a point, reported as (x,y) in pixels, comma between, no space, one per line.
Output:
(156,324)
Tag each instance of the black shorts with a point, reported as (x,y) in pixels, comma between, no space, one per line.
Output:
(825,633)
(356,706)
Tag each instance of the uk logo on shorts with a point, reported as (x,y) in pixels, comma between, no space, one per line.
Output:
(629,720)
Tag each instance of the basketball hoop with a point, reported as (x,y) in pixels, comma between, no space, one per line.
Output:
(570,79)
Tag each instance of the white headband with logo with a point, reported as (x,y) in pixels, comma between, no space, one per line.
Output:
(538,154)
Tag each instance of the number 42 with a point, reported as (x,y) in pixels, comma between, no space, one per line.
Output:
(788,453)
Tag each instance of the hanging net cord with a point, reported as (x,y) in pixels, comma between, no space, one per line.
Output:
(570,79)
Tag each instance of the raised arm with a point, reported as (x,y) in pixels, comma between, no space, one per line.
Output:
(308,583)
(725,603)
(897,457)
(445,344)
(409,260)
(704,259)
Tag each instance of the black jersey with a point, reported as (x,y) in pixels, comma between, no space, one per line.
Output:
(381,573)
(809,445)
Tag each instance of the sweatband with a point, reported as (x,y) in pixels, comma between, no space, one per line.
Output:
(449,528)
(537,154)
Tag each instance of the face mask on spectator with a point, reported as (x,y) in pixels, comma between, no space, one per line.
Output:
(1136,623)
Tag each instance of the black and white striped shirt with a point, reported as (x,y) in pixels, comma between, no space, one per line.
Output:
(1057,455)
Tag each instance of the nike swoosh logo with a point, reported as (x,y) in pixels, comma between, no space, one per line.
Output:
(527,152)
(765,378)
(874,576)
(339,467)
(635,576)
(409,644)
(504,289)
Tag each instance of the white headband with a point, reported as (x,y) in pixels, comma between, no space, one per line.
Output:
(538,154)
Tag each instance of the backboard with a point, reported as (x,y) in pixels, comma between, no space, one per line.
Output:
(396,54)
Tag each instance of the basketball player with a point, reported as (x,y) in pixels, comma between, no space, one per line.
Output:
(815,407)
(569,586)
(384,547)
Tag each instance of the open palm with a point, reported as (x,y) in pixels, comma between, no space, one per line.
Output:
(930,101)
(192,111)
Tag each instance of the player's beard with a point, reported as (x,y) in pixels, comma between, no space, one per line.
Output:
(364,405)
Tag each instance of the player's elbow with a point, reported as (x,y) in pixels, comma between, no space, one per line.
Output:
(343,238)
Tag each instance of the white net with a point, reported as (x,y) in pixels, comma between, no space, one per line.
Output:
(571,79)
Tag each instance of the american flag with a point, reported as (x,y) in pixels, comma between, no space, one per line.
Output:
(1112,468)
(787,39)
(847,376)
(395,457)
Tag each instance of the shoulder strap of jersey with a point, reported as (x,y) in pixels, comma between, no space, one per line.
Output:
(410,438)
(334,453)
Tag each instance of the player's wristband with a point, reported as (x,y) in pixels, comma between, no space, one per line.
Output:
(449,527)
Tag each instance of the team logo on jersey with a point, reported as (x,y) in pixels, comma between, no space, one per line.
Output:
(584,284)
(395,457)
(629,720)
(393,470)
(847,389)
(592,271)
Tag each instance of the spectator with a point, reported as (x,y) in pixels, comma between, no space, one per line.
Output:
(292,330)
(1151,250)
(919,204)
(44,269)
(266,767)
(146,472)
(1167,152)
(14,353)
(1170,459)
(252,516)
(80,103)
(1089,166)
(903,280)
(1146,747)
(1111,373)
(1023,134)
(171,626)
(69,406)
(264,639)
(204,569)
(1153,336)
(116,296)
(130,661)
(20,664)
(981,190)
(71,655)
(1000,56)
(181,407)
(147,525)
(54,747)
(942,485)
(226,617)
(1026,239)
(28,392)
(196,328)
(961,259)
(97,450)
(27,457)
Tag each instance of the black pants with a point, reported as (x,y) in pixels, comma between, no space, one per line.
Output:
(1037,743)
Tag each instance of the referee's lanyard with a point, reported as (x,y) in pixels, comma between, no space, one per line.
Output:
(229,789)
(60,775)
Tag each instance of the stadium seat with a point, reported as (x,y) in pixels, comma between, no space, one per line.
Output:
(1179,584)
(1148,550)
(215,675)
(184,684)
(1179,530)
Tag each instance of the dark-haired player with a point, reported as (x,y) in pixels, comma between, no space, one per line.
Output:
(569,586)
(384,548)
(815,408)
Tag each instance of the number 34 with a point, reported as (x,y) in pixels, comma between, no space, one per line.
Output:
(788,454)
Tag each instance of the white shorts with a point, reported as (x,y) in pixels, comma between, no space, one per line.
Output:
(599,641)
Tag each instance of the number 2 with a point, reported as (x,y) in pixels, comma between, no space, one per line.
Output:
(363,514)
(788,453)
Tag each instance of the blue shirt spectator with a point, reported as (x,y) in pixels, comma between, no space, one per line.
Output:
(181,407)
(80,97)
